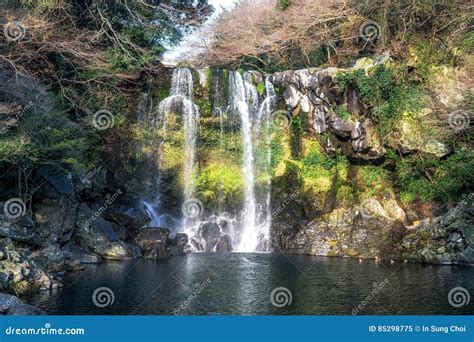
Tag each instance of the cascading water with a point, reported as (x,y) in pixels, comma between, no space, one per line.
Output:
(263,133)
(242,104)
(249,231)
(180,101)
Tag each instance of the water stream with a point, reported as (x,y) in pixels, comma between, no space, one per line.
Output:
(249,228)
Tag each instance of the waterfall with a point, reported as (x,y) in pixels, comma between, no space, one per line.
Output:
(264,120)
(248,229)
(181,100)
(242,102)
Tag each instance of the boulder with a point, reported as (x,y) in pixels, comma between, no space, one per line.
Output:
(79,254)
(210,233)
(54,222)
(62,183)
(130,218)
(356,231)
(18,230)
(11,305)
(96,235)
(180,239)
(18,274)
(52,259)
(224,244)
(448,239)
(153,242)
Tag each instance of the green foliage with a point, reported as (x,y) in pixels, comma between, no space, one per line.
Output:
(429,178)
(315,158)
(467,45)
(388,96)
(375,179)
(261,88)
(318,57)
(455,176)
(342,112)
(220,182)
(58,143)
(283,4)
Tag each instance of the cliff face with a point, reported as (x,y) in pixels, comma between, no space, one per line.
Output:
(338,164)
(353,206)
(334,177)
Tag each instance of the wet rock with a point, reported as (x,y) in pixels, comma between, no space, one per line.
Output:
(448,239)
(55,222)
(11,305)
(52,259)
(210,233)
(81,255)
(153,242)
(224,244)
(18,230)
(94,234)
(394,210)
(18,273)
(180,239)
(350,232)
(62,183)
(130,218)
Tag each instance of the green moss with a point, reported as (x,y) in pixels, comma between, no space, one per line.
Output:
(342,112)
(219,182)
(375,179)
(390,95)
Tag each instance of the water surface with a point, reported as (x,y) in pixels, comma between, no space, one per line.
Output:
(241,284)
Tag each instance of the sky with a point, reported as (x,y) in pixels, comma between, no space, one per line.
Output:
(185,49)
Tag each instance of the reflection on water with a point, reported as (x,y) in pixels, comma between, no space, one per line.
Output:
(241,284)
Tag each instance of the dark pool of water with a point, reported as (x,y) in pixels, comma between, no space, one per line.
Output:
(241,284)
